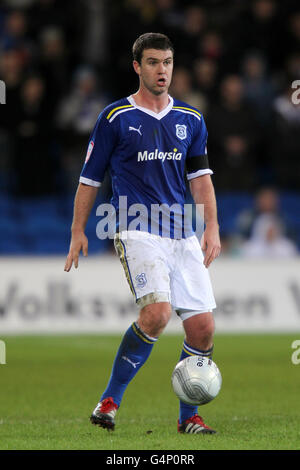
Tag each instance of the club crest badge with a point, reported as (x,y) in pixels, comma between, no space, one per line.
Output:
(181,131)
(141,280)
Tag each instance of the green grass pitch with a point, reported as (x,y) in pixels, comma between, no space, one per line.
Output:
(50,385)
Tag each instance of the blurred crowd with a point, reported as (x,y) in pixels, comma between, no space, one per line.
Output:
(267,227)
(52,57)
(63,61)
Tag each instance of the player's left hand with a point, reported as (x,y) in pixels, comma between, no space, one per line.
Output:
(210,244)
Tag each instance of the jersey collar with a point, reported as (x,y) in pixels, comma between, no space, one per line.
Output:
(158,116)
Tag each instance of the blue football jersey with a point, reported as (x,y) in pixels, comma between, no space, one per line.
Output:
(148,155)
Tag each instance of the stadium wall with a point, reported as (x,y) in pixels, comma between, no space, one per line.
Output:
(37,296)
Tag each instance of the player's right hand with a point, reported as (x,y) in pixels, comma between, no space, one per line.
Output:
(79,242)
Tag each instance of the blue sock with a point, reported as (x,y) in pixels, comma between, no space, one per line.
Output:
(133,352)
(187,411)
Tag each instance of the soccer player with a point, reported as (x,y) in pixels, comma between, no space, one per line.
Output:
(149,142)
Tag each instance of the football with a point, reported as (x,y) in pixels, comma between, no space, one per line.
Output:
(196,380)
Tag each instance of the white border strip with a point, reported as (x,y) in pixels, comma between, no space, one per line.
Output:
(120,112)
(191,176)
(188,112)
(158,116)
(89,182)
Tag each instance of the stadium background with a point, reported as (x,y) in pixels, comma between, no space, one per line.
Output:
(62,62)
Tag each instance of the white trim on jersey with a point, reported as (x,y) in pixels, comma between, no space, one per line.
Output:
(187,112)
(158,116)
(207,171)
(120,112)
(89,182)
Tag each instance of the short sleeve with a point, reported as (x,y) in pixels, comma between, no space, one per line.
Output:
(197,159)
(99,151)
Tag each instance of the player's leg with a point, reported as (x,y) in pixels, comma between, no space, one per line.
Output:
(135,348)
(132,354)
(194,301)
(199,331)
(146,270)
(154,317)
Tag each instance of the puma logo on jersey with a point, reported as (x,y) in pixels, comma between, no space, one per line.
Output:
(134,129)
(134,364)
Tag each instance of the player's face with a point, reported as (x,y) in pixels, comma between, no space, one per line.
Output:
(155,70)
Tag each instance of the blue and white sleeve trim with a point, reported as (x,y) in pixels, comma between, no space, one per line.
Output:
(89,182)
(195,174)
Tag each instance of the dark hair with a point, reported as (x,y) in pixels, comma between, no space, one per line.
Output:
(150,41)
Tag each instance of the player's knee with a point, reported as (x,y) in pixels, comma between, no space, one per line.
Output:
(207,330)
(154,318)
(200,331)
(162,317)
(205,336)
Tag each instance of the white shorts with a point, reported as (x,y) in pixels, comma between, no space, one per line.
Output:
(166,270)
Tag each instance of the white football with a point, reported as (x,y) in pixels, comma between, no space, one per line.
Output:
(196,380)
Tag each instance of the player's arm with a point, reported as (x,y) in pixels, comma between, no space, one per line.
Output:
(100,148)
(83,203)
(203,192)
